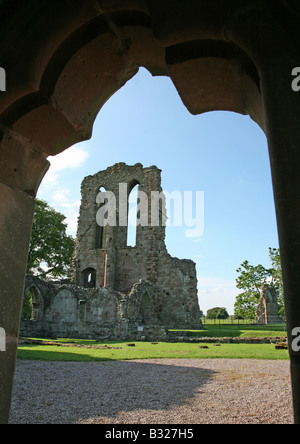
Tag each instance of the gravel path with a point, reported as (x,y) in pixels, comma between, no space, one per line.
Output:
(153,392)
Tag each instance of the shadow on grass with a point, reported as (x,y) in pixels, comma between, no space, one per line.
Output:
(58,354)
(65,393)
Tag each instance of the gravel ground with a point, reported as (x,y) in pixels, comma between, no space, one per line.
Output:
(164,391)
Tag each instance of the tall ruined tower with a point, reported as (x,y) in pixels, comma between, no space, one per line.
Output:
(104,259)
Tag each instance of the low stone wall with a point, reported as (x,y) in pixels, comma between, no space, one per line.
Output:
(69,311)
(184,337)
(121,331)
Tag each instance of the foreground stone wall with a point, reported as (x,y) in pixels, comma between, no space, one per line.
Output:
(68,311)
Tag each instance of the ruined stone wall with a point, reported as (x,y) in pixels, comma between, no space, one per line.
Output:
(68,311)
(119,291)
(267,308)
(130,263)
(177,280)
(118,266)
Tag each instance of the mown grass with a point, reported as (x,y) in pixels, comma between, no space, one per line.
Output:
(238,331)
(146,350)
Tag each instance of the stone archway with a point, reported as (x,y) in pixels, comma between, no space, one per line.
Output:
(62,64)
(36,303)
(145,309)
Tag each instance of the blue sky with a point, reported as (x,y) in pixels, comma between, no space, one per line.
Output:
(223,154)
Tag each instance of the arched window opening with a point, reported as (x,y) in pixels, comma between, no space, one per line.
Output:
(146,309)
(99,237)
(89,278)
(32,305)
(132,216)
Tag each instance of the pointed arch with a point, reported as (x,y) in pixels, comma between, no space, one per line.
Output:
(132,214)
(89,278)
(99,235)
(33,304)
(146,309)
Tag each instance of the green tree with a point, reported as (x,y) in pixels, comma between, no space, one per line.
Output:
(217,313)
(250,280)
(51,249)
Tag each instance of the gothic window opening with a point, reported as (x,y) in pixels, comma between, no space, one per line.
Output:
(89,278)
(146,309)
(99,241)
(33,305)
(99,237)
(132,216)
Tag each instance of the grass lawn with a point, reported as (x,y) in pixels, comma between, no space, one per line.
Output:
(238,331)
(147,350)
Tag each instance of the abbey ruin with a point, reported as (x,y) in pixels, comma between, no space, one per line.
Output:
(267,308)
(117,291)
(64,60)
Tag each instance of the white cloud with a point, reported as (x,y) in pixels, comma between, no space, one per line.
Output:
(56,192)
(72,158)
(71,211)
(198,256)
(216,292)
(61,195)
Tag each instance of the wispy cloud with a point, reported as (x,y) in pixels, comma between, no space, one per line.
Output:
(72,158)
(70,208)
(71,211)
(197,239)
(54,189)
(198,256)
(216,292)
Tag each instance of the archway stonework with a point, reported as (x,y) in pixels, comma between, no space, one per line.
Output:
(62,64)
(37,303)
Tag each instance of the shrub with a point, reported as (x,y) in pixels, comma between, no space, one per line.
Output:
(217,313)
